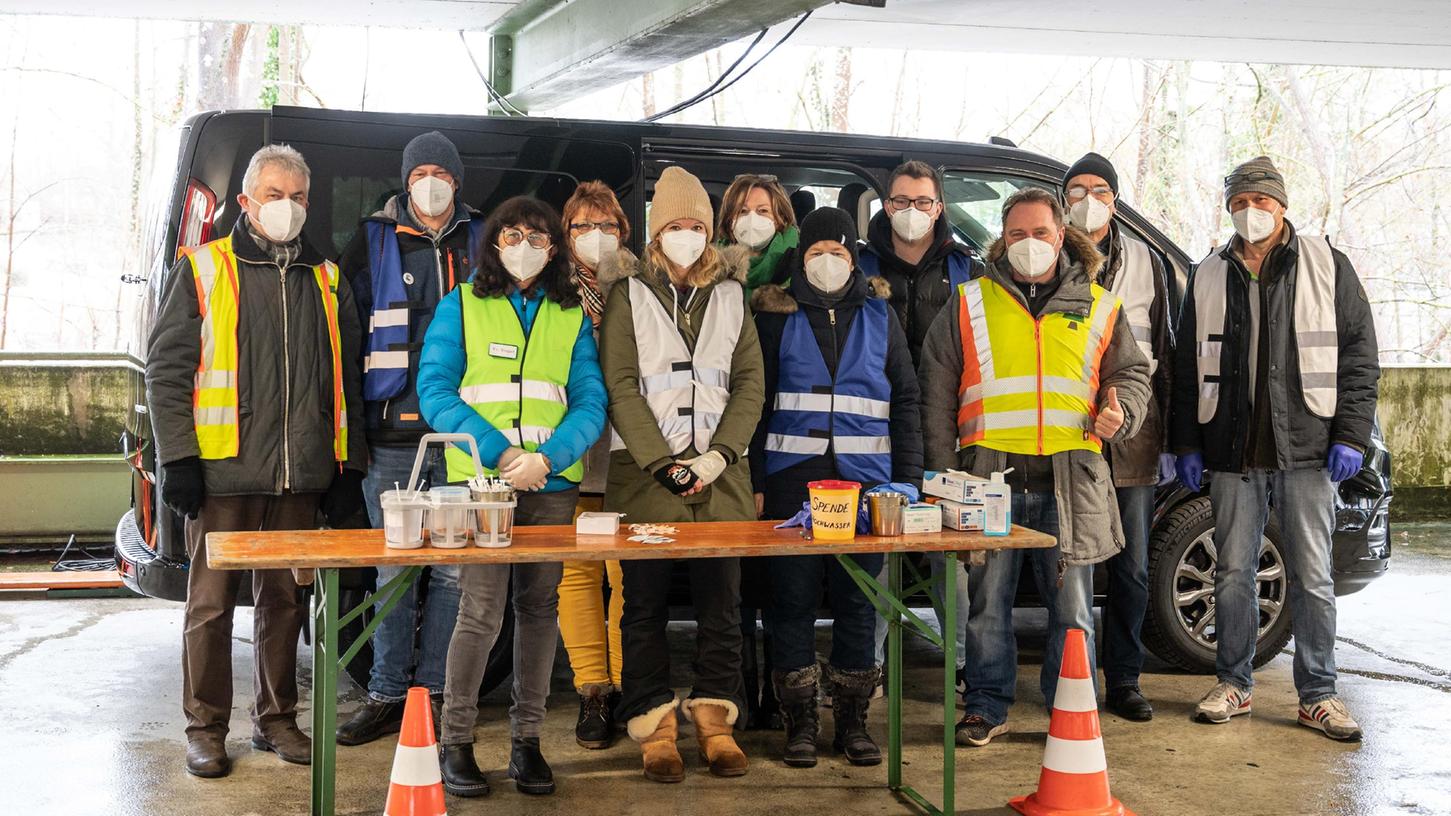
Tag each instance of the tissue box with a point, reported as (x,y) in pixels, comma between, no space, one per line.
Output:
(955,486)
(921,518)
(591,523)
(959,516)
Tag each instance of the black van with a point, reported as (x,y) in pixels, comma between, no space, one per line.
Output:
(354,158)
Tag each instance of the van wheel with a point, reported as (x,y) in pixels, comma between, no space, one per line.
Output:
(1180,625)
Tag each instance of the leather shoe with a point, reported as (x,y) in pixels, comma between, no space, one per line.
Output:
(531,774)
(372,720)
(206,756)
(284,740)
(461,774)
(1128,702)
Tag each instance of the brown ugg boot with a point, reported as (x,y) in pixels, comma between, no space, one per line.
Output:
(656,730)
(714,723)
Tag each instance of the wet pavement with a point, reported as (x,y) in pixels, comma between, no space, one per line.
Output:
(90,723)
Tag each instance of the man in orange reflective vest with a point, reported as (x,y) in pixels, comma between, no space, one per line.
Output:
(1028,373)
(252,383)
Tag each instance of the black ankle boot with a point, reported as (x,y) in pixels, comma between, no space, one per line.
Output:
(596,728)
(851,695)
(461,774)
(613,701)
(799,693)
(372,720)
(531,774)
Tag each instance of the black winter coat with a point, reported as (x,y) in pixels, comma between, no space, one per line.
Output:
(919,290)
(1301,439)
(785,490)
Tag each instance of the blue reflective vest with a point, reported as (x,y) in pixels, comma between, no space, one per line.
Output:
(390,344)
(959,267)
(812,414)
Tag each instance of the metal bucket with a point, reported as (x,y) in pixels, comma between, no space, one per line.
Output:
(885,510)
(494,526)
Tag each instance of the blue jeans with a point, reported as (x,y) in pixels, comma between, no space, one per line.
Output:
(936,563)
(1128,590)
(992,664)
(796,595)
(1304,501)
(393,640)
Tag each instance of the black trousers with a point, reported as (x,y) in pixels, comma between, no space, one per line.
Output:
(715,593)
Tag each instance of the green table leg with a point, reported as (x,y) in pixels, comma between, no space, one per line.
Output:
(894,676)
(324,691)
(949,682)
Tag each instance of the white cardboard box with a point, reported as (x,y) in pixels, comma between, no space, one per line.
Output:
(592,523)
(959,516)
(955,486)
(921,518)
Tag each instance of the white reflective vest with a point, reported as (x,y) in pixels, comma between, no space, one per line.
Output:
(686,392)
(1135,286)
(1317,341)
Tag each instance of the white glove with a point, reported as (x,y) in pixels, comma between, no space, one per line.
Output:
(708,466)
(528,471)
(508,456)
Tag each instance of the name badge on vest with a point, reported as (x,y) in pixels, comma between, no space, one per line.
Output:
(504,351)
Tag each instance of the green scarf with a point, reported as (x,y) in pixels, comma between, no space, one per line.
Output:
(763,266)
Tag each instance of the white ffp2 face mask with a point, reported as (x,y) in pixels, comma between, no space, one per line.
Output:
(431,195)
(828,273)
(1032,257)
(1253,224)
(523,261)
(281,220)
(1089,214)
(911,224)
(682,247)
(753,230)
(593,246)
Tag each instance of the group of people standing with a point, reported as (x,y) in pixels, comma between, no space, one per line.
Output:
(741,356)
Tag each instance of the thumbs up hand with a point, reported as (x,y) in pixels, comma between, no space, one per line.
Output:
(1110,416)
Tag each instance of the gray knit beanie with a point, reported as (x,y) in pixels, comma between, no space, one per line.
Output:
(432,148)
(1258,175)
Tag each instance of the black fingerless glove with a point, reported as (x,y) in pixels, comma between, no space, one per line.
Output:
(676,478)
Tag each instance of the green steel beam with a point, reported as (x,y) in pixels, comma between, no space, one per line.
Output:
(546,52)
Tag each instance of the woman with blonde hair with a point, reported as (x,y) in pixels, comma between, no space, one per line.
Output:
(684,373)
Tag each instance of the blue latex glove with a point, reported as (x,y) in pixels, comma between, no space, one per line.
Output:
(801,519)
(1343,462)
(1166,468)
(863,516)
(1190,469)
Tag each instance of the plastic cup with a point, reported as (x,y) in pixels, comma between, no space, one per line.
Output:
(449,527)
(834,509)
(402,519)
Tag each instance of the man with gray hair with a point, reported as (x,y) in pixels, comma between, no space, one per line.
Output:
(252,382)
(1274,392)
(1027,373)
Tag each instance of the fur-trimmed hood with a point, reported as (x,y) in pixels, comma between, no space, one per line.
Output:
(735,264)
(1076,245)
(776,299)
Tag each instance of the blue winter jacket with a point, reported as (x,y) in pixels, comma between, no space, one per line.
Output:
(442,366)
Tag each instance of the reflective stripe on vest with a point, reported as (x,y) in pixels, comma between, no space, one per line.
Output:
(215,396)
(849,414)
(518,384)
(390,343)
(1040,403)
(686,392)
(1317,340)
(1135,287)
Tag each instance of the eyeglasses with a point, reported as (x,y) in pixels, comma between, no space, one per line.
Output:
(583,227)
(902,202)
(759,178)
(512,237)
(1251,177)
(1078,191)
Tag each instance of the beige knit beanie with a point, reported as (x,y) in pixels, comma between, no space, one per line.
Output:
(678,194)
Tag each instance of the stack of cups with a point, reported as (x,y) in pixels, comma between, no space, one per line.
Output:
(450,527)
(402,519)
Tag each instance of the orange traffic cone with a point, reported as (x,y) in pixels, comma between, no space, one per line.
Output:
(1074,780)
(416,786)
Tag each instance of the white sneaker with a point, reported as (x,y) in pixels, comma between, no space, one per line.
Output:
(1332,717)
(1223,701)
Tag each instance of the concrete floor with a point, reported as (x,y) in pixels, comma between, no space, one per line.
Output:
(90,724)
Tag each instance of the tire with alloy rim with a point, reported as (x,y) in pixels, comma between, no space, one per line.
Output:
(1179,627)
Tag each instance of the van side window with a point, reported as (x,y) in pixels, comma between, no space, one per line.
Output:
(973,203)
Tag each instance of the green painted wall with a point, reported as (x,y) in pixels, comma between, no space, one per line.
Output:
(1415,414)
(65,404)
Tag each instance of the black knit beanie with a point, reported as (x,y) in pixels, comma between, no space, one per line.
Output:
(1094,164)
(829,224)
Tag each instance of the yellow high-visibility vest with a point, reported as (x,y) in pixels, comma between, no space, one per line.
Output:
(215,397)
(1029,385)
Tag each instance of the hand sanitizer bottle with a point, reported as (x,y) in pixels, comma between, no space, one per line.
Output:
(997,511)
